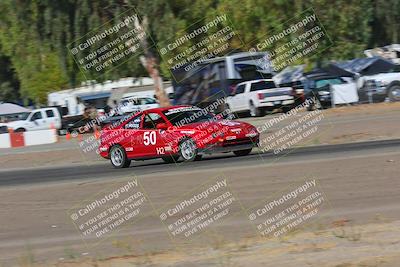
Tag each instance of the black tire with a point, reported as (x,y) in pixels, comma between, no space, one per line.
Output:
(20,130)
(286,109)
(394,92)
(118,157)
(198,157)
(170,159)
(311,107)
(256,112)
(188,149)
(315,105)
(241,153)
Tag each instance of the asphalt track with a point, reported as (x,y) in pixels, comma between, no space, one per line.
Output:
(106,171)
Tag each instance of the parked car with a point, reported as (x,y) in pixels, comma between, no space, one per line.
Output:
(134,104)
(259,96)
(377,78)
(171,133)
(317,87)
(38,119)
(379,87)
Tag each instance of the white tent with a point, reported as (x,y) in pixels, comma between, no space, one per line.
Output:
(9,108)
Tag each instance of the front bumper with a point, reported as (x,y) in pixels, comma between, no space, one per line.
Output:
(230,146)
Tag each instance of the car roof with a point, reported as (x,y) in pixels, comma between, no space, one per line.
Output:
(136,97)
(166,108)
(259,80)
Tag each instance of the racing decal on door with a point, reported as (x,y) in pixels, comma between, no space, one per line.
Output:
(149,138)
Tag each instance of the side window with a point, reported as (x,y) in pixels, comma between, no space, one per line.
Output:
(240,89)
(134,123)
(151,120)
(49,113)
(146,101)
(36,116)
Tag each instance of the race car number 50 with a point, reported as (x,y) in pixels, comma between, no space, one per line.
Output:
(149,138)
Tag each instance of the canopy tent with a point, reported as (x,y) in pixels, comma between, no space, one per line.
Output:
(330,70)
(290,74)
(366,66)
(9,108)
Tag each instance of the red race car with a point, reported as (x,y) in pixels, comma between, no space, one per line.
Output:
(171,133)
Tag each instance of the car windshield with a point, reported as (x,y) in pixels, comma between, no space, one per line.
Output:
(180,117)
(325,82)
(24,116)
(147,101)
(262,85)
(128,101)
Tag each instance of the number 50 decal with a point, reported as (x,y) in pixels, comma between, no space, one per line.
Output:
(149,138)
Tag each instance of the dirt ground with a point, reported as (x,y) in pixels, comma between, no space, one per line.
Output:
(358,227)
(340,125)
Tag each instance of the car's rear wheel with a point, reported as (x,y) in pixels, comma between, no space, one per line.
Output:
(118,157)
(188,149)
(244,152)
(170,159)
(286,109)
(256,112)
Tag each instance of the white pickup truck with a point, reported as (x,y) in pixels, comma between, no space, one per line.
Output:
(38,119)
(379,87)
(259,96)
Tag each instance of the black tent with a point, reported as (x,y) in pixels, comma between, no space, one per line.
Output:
(366,66)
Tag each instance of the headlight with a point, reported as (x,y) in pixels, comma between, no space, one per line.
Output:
(324,92)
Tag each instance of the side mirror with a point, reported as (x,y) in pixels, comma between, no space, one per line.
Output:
(162,126)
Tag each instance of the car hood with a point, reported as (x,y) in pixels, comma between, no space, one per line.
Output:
(13,124)
(218,125)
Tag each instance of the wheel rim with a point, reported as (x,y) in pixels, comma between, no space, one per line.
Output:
(252,110)
(117,156)
(396,93)
(188,149)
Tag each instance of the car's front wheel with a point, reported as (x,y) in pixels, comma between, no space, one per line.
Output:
(118,157)
(188,149)
(394,92)
(244,152)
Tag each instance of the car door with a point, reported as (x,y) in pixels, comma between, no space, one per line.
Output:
(52,121)
(153,138)
(130,137)
(37,121)
(235,101)
(241,97)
